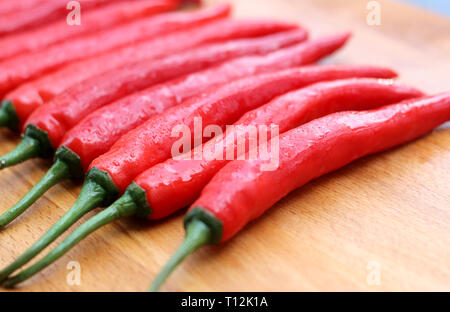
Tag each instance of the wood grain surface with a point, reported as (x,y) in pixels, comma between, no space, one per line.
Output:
(379,224)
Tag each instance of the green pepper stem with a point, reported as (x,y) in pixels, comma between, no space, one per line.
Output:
(59,171)
(28,148)
(198,234)
(122,208)
(4,117)
(91,196)
(8,116)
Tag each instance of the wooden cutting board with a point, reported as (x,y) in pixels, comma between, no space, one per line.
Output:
(381,223)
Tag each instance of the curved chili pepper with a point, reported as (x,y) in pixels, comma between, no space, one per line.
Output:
(175,184)
(29,96)
(288,111)
(134,152)
(41,13)
(100,189)
(47,125)
(305,153)
(95,134)
(104,17)
(23,68)
(102,186)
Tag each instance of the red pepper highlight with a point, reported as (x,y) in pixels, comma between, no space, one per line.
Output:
(340,95)
(48,124)
(92,21)
(43,13)
(67,109)
(134,152)
(305,153)
(11,6)
(151,143)
(22,68)
(96,133)
(29,96)
(176,183)
(308,152)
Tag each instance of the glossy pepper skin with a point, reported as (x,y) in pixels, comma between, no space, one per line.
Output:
(22,68)
(93,21)
(305,153)
(47,125)
(315,149)
(176,183)
(37,13)
(135,152)
(96,133)
(123,170)
(67,109)
(31,95)
(151,143)
(133,202)
(11,6)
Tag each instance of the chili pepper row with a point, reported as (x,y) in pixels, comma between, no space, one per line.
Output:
(22,68)
(233,49)
(99,130)
(310,102)
(11,6)
(25,99)
(328,74)
(20,17)
(305,153)
(130,156)
(260,89)
(80,141)
(176,183)
(93,21)
(47,125)
(100,189)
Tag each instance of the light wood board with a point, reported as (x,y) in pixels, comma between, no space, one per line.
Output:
(381,223)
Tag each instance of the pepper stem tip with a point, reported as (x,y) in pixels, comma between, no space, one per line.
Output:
(198,234)
(28,148)
(59,171)
(123,207)
(91,196)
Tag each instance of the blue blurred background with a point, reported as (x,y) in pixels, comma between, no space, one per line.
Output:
(439,6)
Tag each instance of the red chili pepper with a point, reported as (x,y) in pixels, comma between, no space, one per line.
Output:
(22,68)
(29,96)
(47,125)
(95,134)
(151,143)
(305,153)
(93,21)
(134,152)
(176,183)
(11,6)
(42,13)
(287,111)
